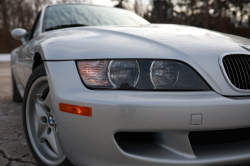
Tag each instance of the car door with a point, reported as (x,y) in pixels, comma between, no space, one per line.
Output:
(26,53)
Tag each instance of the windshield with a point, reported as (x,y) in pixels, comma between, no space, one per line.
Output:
(89,15)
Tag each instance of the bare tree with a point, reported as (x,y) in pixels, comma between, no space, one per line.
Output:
(16,14)
(206,14)
(231,16)
(120,3)
(74,1)
(138,7)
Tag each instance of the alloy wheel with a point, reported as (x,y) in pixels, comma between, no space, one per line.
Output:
(41,123)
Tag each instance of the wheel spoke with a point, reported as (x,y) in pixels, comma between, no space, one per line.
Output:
(40,110)
(47,102)
(41,119)
(56,144)
(51,137)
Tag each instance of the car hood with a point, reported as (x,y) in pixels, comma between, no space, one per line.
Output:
(198,47)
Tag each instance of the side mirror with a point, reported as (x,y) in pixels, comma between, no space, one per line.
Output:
(20,34)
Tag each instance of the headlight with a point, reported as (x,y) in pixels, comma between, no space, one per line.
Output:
(139,74)
(164,73)
(123,73)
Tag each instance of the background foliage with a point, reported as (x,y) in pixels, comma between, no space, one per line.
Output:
(228,16)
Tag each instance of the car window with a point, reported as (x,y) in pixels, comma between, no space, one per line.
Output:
(35,28)
(89,15)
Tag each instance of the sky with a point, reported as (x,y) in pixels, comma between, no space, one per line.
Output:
(111,3)
(95,2)
(103,2)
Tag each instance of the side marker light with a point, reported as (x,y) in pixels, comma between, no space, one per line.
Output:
(73,109)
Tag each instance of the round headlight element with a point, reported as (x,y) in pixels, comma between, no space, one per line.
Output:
(164,73)
(123,73)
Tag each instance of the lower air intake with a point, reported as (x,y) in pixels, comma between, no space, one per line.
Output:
(134,137)
(199,138)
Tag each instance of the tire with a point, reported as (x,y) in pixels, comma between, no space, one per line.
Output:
(39,129)
(16,97)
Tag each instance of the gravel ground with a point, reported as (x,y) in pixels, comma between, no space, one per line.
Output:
(14,150)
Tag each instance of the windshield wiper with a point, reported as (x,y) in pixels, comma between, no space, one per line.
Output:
(64,26)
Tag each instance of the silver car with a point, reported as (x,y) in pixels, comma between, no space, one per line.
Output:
(102,86)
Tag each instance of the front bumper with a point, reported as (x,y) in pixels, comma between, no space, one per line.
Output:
(90,140)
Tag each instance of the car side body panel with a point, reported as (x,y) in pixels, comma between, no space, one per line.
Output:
(17,71)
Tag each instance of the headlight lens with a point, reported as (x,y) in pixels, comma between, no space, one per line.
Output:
(123,73)
(164,73)
(139,74)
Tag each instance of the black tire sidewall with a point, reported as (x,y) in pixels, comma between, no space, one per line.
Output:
(15,93)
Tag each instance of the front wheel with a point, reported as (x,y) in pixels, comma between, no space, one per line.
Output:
(40,122)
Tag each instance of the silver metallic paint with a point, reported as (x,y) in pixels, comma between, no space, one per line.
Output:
(17,73)
(247,47)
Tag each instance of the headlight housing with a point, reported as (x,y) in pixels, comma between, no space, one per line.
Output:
(139,75)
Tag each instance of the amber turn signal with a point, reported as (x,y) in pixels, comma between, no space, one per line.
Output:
(73,109)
